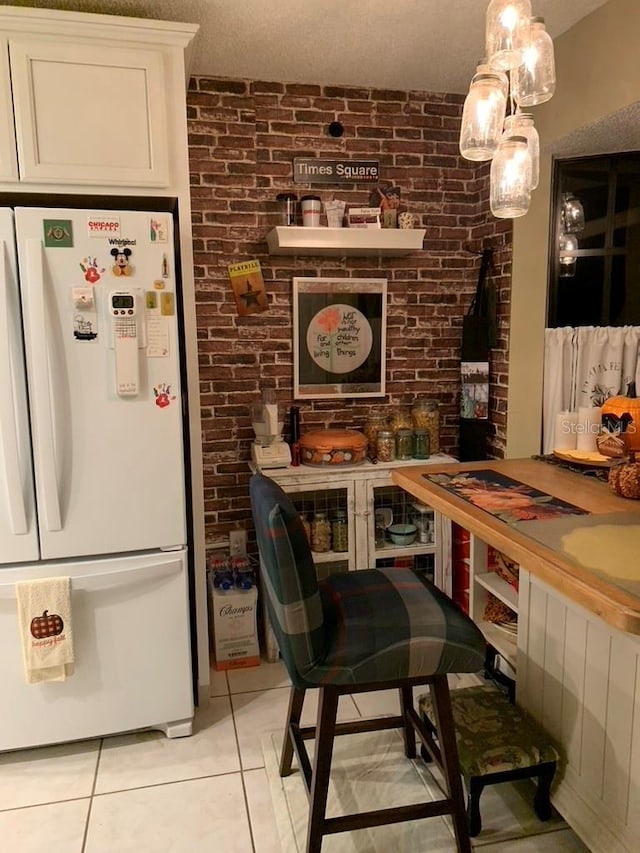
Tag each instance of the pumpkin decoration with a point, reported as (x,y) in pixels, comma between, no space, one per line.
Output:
(622,414)
(47,625)
(624,478)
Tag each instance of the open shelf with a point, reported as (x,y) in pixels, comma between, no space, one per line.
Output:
(500,588)
(291,240)
(501,641)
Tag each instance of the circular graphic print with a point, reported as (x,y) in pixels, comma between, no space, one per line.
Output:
(339,338)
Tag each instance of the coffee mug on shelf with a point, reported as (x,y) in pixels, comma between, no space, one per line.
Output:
(311,208)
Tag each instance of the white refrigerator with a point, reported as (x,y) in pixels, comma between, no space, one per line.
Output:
(92,472)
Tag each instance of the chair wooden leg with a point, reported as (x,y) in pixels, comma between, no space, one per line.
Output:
(296,701)
(408,732)
(325,733)
(450,766)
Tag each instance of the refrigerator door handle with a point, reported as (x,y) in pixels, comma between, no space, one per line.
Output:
(8,432)
(41,399)
(108,580)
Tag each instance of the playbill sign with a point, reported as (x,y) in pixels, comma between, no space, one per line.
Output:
(312,170)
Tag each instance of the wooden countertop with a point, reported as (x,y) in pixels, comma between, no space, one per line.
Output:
(616,603)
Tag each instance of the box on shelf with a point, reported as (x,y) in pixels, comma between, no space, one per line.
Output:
(363,217)
(233,626)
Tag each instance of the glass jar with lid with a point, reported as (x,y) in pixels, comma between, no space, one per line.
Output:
(320,533)
(420,443)
(425,415)
(404,443)
(340,532)
(385,445)
(374,423)
(400,419)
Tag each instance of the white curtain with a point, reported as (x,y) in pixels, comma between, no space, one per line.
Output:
(584,366)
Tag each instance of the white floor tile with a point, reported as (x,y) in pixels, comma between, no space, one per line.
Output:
(563,841)
(218,683)
(262,677)
(186,817)
(261,813)
(150,758)
(59,826)
(260,713)
(49,774)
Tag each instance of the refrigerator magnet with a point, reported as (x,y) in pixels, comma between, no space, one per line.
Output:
(83,298)
(121,265)
(162,395)
(85,326)
(158,229)
(92,271)
(151,300)
(167,304)
(159,284)
(58,233)
(165,267)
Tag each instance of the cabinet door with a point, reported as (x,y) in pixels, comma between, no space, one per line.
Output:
(330,497)
(89,113)
(8,160)
(386,505)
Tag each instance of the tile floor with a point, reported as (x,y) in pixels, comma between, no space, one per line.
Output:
(142,792)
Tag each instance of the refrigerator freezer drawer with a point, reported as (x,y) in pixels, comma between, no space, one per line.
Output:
(132,653)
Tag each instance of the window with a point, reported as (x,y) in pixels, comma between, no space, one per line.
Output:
(595,262)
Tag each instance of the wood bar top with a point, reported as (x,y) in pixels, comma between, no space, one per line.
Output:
(616,605)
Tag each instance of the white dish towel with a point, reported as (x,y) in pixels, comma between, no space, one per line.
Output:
(44,614)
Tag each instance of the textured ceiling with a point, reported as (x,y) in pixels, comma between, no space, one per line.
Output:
(430,45)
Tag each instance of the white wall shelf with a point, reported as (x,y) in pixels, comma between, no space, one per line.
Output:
(389,242)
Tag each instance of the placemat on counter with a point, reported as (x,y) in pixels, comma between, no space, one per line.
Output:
(509,500)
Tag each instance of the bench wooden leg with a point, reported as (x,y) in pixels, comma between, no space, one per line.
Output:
(542,802)
(476,787)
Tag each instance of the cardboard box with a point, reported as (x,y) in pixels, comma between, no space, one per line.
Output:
(233,621)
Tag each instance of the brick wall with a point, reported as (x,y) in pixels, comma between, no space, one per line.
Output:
(242,137)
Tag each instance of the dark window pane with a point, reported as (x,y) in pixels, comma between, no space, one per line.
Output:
(580,297)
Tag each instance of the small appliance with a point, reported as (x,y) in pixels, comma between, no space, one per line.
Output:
(269,450)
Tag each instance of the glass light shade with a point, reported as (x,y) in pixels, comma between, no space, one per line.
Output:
(507,32)
(510,179)
(567,243)
(483,67)
(483,117)
(572,214)
(534,81)
(521,124)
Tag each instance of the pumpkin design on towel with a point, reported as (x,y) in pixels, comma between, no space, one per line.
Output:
(47,625)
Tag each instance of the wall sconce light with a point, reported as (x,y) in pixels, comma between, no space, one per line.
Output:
(520,67)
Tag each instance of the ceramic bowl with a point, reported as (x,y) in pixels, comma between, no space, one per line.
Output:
(402,534)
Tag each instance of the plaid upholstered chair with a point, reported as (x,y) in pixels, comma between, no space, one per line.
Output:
(374,629)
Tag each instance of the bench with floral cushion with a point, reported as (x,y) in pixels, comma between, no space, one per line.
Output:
(497,742)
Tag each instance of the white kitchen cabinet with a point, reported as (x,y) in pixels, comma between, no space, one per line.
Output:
(359,491)
(90,100)
(8,160)
(88,113)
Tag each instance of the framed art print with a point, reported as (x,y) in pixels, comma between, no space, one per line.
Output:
(339,328)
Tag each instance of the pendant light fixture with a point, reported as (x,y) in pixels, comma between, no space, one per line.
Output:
(507,32)
(520,63)
(510,188)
